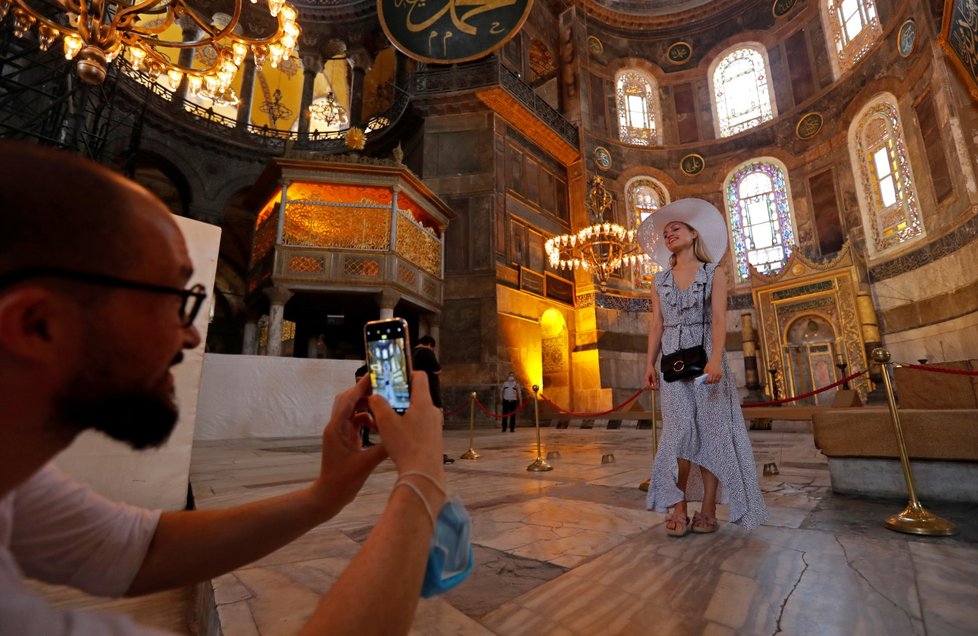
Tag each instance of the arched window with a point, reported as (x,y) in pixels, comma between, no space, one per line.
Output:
(851,27)
(741,92)
(643,196)
(880,161)
(636,107)
(759,210)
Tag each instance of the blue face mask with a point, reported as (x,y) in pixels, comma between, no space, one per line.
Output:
(450,555)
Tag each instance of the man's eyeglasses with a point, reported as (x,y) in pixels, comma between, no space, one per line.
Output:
(192,298)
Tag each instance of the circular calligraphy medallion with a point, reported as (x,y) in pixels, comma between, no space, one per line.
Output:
(780,8)
(446,31)
(602,158)
(809,125)
(692,164)
(679,52)
(594,45)
(907,38)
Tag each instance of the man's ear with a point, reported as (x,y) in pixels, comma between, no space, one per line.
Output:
(32,321)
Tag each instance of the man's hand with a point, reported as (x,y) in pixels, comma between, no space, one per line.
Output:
(345,465)
(412,440)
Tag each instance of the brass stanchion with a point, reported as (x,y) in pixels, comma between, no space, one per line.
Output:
(655,445)
(471,454)
(914,519)
(539,465)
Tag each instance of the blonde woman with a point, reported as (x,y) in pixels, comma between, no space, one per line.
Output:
(704,453)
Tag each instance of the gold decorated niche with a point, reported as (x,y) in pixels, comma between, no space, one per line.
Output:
(809,321)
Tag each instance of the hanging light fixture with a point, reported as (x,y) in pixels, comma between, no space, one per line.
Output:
(95,32)
(328,111)
(601,248)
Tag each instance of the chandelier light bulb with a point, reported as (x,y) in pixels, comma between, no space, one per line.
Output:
(4,8)
(193,83)
(73,44)
(46,35)
(174,76)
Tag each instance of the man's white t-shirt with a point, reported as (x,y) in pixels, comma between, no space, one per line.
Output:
(58,531)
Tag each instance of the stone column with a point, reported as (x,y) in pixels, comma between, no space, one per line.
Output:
(278,296)
(750,358)
(387,300)
(869,325)
(434,322)
(185,59)
(249,344)
(356,91)
(247,92)
(311,65)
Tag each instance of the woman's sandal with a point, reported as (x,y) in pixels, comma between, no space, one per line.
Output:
(680,522)
(704,523)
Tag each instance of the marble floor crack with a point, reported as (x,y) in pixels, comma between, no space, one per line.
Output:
(784,603)
(852,567)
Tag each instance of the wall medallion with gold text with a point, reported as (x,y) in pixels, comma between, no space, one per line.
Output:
(450,31)
(809,125)
(692,164)
(959,39)
(780,8)
(679,52)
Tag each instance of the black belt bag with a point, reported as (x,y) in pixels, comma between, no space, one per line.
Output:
(684,364)
(688,363)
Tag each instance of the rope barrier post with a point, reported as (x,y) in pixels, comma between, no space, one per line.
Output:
(655,445)
(539,465)
(914,519)
(471,454)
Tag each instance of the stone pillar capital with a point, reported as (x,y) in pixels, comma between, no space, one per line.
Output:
(278,295)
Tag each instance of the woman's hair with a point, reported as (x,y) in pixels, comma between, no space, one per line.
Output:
(700,251)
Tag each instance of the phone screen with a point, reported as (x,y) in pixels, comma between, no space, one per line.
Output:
(389,362)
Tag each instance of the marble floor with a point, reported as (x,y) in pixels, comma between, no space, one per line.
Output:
(573,551)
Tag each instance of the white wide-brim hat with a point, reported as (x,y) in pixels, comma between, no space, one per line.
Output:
(700,215)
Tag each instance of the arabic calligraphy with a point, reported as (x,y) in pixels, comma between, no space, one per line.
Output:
(449,31)
(963,35)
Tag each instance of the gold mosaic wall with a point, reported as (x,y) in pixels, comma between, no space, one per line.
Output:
(333,226)
(264,238)
(417,246)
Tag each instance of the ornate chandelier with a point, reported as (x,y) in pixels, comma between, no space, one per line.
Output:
(153,32)
(601,248)
(328,111)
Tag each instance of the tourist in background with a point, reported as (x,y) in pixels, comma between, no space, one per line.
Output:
(512,394)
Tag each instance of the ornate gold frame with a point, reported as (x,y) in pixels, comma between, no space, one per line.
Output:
(945,42)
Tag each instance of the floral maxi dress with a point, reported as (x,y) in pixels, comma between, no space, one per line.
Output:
(701,423)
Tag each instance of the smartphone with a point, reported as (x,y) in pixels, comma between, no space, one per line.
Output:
(388,356)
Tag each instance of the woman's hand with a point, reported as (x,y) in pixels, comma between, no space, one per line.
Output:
(652,378)
(713,371)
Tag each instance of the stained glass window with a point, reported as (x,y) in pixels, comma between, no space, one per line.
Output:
(889,194)
(636,107)
(741,91)
(643,196)
(853,28)
(759,210)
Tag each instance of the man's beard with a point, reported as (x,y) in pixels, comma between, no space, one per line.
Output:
(139,417)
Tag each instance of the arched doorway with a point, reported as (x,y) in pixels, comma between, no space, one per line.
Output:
(811,345)
(555,362)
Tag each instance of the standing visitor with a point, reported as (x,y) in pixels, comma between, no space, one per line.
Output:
(702,423)
(423,358)
(512,394)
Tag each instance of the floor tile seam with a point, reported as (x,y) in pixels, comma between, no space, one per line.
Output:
(850,563)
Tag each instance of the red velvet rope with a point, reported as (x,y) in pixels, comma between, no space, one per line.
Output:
(922,367)
(499,416)
(590,415)
(806,395)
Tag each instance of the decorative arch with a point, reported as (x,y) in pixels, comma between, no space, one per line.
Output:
(742,95)
(757,197)
(636,96)
(887,193)
(852,28)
